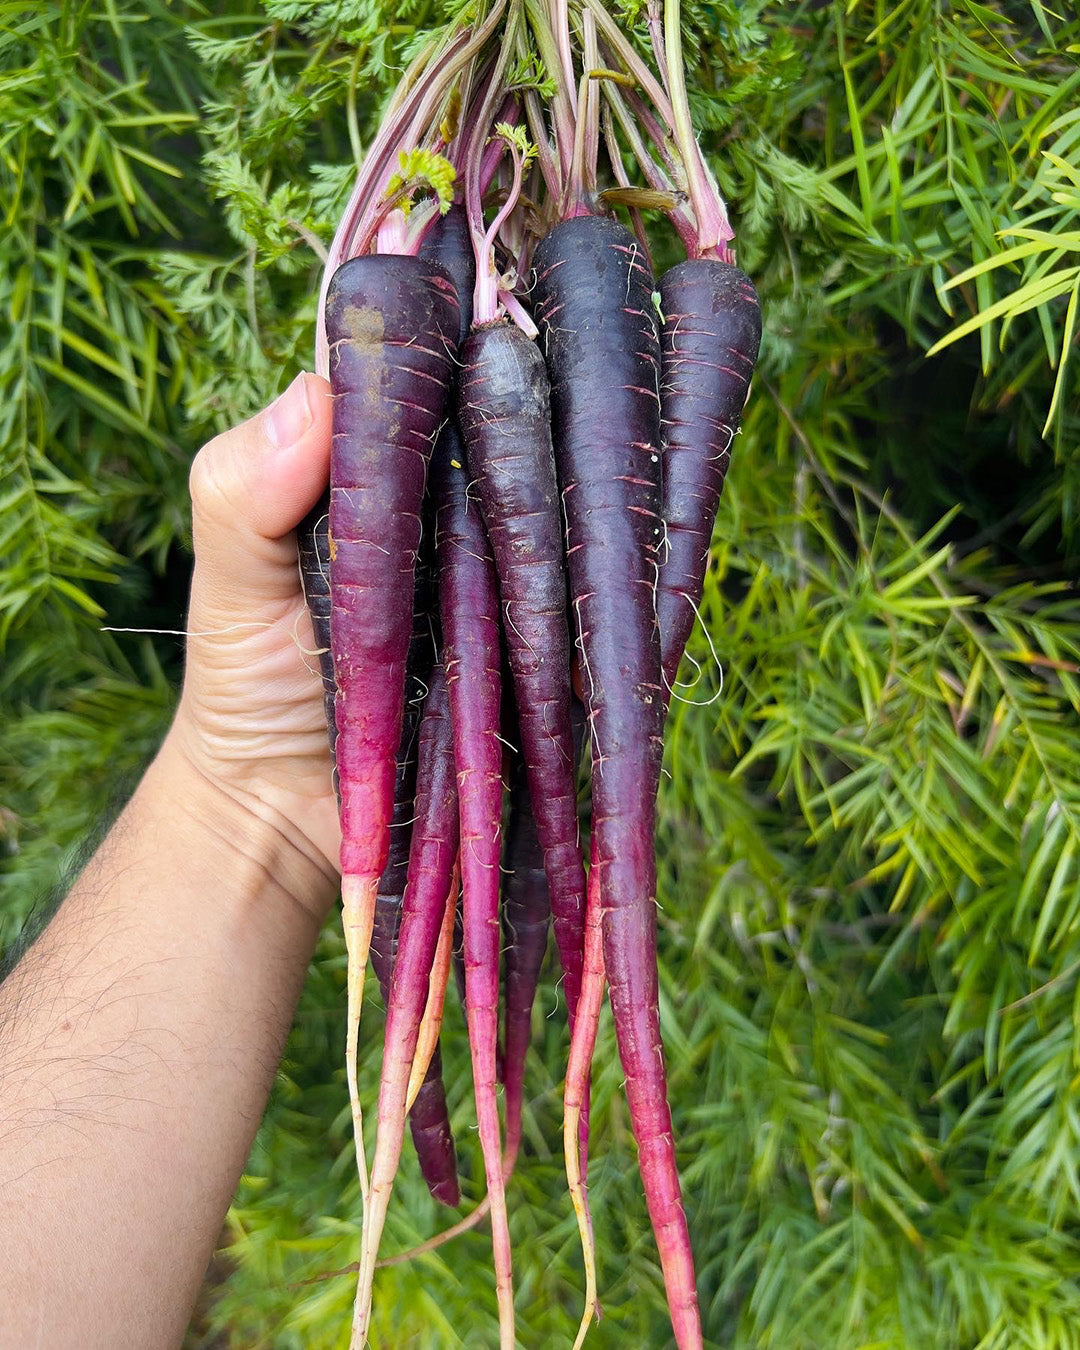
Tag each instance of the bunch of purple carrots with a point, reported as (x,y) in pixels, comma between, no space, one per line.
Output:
(530,440)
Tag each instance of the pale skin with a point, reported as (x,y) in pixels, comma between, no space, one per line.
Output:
(140,1034)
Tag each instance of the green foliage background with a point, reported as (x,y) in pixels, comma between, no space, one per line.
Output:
(870,844)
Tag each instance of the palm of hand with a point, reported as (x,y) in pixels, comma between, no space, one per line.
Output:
(251,715)
(255,697)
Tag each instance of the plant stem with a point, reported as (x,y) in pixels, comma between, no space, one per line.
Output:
(713,228)
(564,103)
(653,173)
(618,168)
(424,83)
(624,51)
(534,115)
(350,111)
(481,165)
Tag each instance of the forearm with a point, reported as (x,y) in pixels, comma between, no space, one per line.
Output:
(138,1042)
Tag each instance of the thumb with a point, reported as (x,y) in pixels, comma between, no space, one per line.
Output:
(250,488)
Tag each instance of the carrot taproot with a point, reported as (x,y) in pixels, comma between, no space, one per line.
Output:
(432,866)
(469,607)
(504,414)
(576,1093)
(526,912)
(427,1040)
(709,337)
(391,324)
(429,1119)
(313,549)
(593,294)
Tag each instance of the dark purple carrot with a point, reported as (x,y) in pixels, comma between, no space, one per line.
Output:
(448,244)
(313,545)
(432,866)
(593,294)
(391,325)
(709,341)
(469,606)
(526,910)
(504,413)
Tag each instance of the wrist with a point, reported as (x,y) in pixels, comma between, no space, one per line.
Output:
(242,828)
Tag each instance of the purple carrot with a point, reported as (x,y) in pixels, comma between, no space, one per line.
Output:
(709,343)
(418,667)
(427,1041)
(447,243)
(429,1118)
(526,910)
(458,954)
(576,1092)
(504,413)
(313,545)
(432,860)
(469,606)
(391,324)
(593,294)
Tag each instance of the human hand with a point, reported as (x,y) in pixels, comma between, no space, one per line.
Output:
(251,718)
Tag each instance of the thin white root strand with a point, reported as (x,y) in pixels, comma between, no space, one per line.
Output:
(358,918)
(187,632)
(699,703)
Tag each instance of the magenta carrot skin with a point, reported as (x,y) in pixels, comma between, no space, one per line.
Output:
(418,667)
(709,344)
(432,856)
(429,1118)
(469,606)
(449,244)
(526,910)
(391,324)
(593,297)
(504,414)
